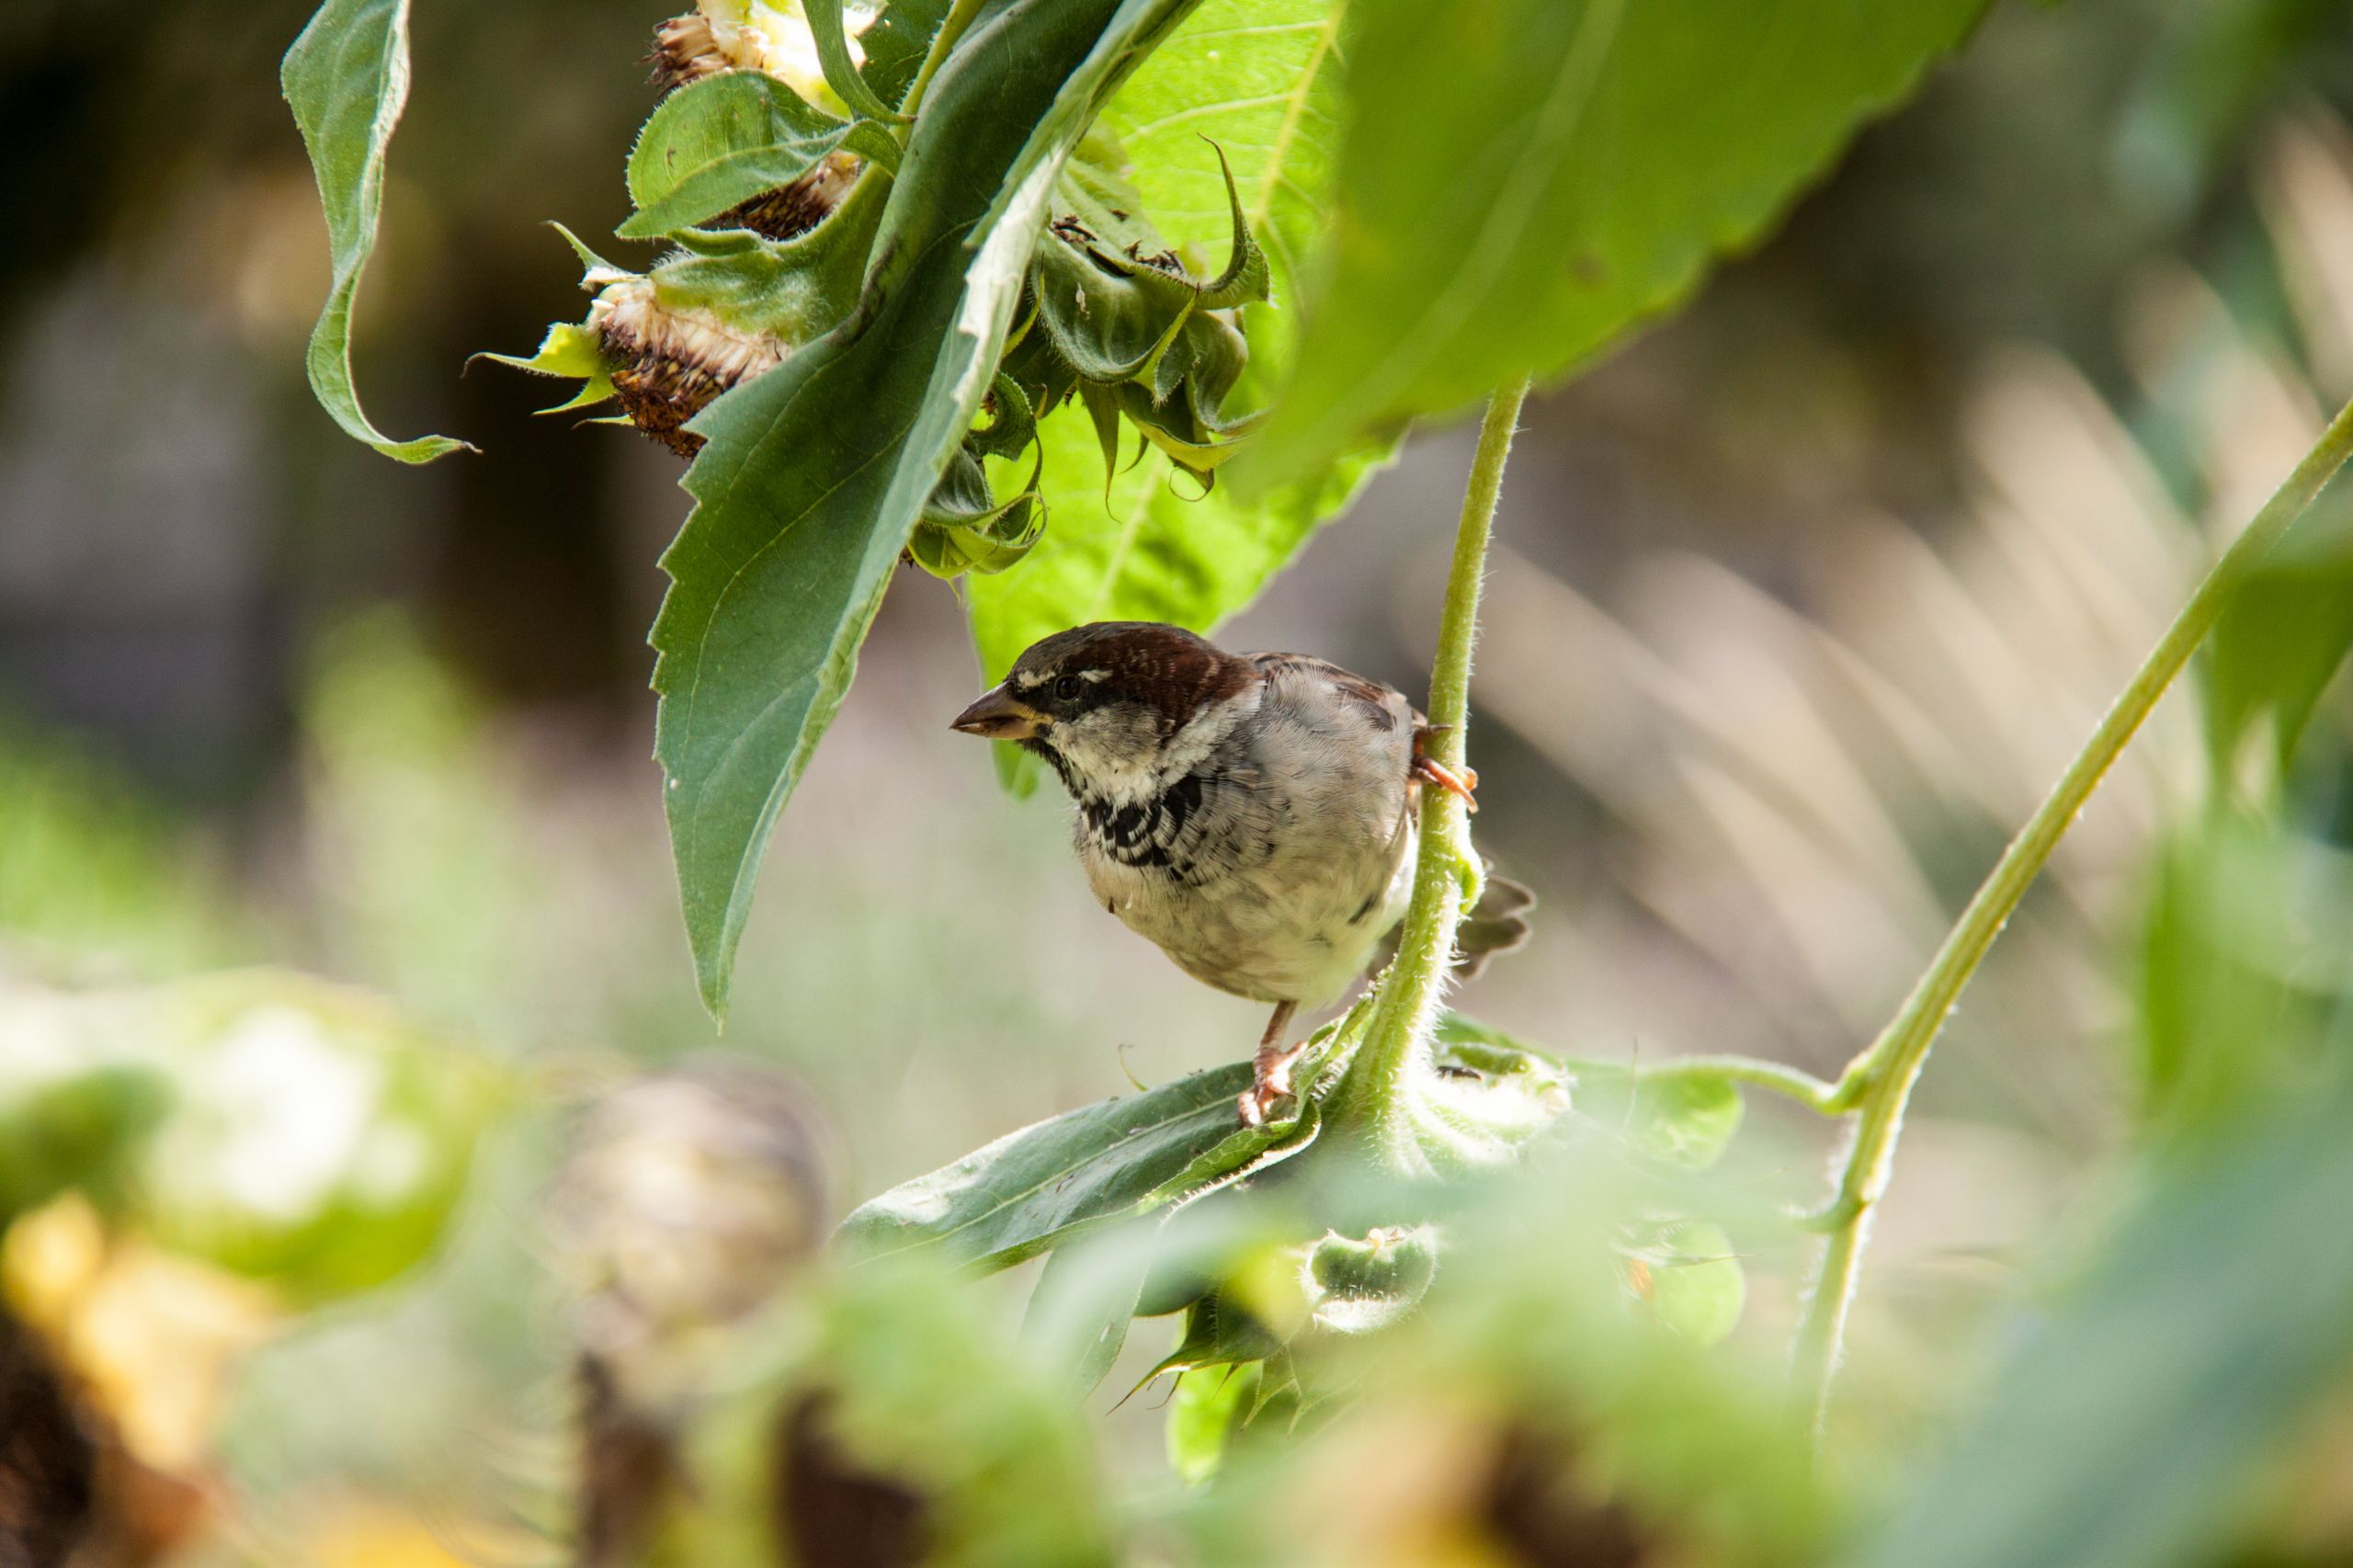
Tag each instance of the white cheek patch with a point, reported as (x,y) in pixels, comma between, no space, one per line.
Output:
(1191,745)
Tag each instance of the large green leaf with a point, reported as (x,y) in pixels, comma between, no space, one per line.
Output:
(1033,1189)
(2132,1412)
(1522,179)
(346,79)
(815,474)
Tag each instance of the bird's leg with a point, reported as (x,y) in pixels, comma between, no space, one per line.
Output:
(1454,780)
(1270,1075)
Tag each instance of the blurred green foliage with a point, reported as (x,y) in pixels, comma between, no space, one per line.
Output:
(89,868)
(273,1126)
(1566,1360)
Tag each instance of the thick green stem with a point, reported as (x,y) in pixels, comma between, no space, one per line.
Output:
(1879,1080)
(1375,1093)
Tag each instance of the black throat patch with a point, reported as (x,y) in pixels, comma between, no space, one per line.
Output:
(1149,833)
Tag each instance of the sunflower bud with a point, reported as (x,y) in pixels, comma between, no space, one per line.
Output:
(793,209)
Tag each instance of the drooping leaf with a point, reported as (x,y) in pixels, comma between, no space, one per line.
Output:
(346,79)
(1030,1189)
(814,474)
(1079,1315)
(2132,1411)
(1524,179)
(719,142)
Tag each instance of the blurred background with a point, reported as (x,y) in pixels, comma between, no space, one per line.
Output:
(1805,597)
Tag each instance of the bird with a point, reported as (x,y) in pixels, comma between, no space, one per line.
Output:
(1253,815)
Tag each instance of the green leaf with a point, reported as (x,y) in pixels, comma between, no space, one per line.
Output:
(568,350)
(1148,552)
(825,28)
(1036,1187)
(792,290)
(895,45)
(966,530)
(2280,643)
(74,1129)
(1684,1118)
(1202,1415)
(815,474)
(1217,1333)
(2132,1411)
(719,142)
(1078,1316)
(1693,1280)
(1524,179)
(346,79)
(2241,955)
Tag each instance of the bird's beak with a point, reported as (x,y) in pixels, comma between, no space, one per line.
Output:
(1000,716)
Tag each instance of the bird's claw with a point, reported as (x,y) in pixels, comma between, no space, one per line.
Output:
(1456,781)
(1259,1101)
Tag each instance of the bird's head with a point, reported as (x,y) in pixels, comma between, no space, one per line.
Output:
(1121,709)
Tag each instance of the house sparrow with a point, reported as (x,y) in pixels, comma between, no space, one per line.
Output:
(1252,813)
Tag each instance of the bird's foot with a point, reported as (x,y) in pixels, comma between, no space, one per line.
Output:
(1270,1069)
(1270,1088)
(1456,781)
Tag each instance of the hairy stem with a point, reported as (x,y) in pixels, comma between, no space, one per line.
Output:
(1446,879)
(1879,1080)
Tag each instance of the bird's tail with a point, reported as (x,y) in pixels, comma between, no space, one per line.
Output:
(1496,923)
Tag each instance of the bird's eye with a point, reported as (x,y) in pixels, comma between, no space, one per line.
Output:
(1067,687)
